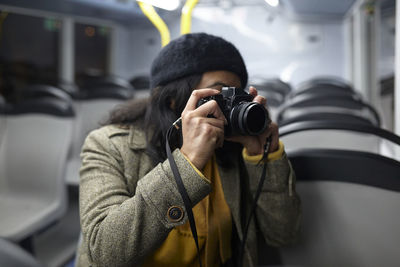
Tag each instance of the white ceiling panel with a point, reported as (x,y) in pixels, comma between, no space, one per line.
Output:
(319,7)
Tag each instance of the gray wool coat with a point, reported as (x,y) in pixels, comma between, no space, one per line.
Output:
(124,200)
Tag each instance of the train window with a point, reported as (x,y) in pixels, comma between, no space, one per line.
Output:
(28,51)
(91,51)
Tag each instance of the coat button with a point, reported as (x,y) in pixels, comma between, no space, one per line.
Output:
(175,214)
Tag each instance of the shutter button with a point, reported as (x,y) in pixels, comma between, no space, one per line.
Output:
(175,214)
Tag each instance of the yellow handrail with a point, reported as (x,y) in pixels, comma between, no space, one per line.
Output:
(186,18)
(152,15)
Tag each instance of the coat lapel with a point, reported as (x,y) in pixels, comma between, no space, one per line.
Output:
(137,138)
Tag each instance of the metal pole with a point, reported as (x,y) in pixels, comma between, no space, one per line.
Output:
(67,51)
(397,76)
(365,18)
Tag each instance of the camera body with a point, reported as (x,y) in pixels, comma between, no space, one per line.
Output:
(244,116)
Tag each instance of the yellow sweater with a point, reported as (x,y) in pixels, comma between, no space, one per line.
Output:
(213,223)
(214,227)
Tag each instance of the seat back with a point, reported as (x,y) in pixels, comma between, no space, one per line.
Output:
(140,82)
(93,106)
(35,144)
(95,83)
(274,99)
(272,85)
(329,115)
(90,115)
(324,84)
(337,104)
(324,88)
(13,255)
(337,135)
(43,90)
(350,209)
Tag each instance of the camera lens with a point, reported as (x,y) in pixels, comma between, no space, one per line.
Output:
(250,118)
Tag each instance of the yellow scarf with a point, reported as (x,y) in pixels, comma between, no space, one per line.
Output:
(214,229)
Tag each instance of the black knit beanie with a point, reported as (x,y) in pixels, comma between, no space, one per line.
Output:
(196,53)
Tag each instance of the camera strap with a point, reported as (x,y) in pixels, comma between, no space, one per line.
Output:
(256,197)
(188,203)
(181,188)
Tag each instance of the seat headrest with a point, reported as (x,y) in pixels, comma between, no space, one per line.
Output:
(346,166)
(273,84)
(308,116)
(43,90)
(105,93)
(111,82)
(44,105)
(339,101)
(327,80)
(107,87)
(140,82)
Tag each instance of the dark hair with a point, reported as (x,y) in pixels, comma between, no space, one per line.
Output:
(160,115)
(131,112)
(156,116)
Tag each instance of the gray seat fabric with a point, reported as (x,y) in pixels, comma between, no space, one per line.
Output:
(140,82)
(272,85)
(326,114)
(346,225)
(92,106)
(97,83)
(337,139)
(12,255)
(274,99)
(43,90)
(350,209)
(330,138)
(32,161)
(323,86)
(338,135)
(274,90)
(336,104)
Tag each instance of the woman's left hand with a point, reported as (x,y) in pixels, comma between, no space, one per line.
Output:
(255,144)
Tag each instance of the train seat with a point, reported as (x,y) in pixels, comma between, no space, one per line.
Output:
(13,255)
(324,85)
(43,90)
(140,82)
(350,209)
(345,135)
(329,115)
(32,160)
(274,90)
(326,104)
(271,84)
(92,105)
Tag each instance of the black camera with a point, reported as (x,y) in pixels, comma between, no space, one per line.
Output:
(244,116)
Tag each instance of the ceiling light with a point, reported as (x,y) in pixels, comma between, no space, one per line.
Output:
(273,3)
(164,4)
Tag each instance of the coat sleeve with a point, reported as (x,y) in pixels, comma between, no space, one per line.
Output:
(120,229)
(278,212)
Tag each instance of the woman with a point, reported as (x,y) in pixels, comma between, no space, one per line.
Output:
(131,211)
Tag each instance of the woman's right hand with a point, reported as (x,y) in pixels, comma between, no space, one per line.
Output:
(202,134)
